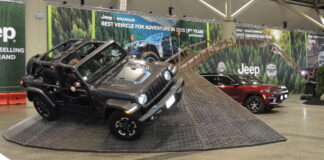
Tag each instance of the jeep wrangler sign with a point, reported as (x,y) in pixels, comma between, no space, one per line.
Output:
(12,45)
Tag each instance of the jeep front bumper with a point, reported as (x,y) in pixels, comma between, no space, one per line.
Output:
(170,98)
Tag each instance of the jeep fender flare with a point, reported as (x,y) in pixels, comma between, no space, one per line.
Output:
(32,91)
(153,48)
(122,105)
(249,94)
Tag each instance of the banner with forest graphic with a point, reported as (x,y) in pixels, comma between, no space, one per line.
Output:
(315,48)
(12,46)
(65,23)
(276,60)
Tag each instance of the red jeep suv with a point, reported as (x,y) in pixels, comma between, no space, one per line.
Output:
(255,97)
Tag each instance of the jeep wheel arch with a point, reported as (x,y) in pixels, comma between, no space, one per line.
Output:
(151,48)
(32,92)
(121,105)
(150,56)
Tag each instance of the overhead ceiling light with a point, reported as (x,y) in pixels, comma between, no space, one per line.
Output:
(241,9)
(212,8)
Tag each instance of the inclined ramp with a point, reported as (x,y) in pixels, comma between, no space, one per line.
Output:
(204,119)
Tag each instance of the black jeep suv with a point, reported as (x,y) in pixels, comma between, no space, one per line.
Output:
(98,78)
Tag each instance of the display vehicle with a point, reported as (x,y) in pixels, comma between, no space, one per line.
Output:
(256,80)
(99,78)
(157,47)
(256,98)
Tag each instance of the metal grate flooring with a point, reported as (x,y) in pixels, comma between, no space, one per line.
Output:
(204,119)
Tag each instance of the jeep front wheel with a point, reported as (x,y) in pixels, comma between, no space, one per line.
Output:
(44,109)
(255,104)
(150,56)
(124,126)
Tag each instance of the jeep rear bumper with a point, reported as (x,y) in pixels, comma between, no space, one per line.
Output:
(171,98)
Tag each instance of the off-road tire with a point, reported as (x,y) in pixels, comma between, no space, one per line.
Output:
(255,104)
(44,109)
(150,56)
(125,127)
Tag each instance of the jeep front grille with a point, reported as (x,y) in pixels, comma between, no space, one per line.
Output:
(156,87)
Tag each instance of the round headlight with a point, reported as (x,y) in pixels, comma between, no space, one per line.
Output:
(167,75)
(142,99)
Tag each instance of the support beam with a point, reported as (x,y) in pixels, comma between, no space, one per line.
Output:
(318,12)
(305,16)
(228,10)
(242,9)
(212,8)
(123,5)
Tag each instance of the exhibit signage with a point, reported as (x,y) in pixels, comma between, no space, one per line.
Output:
(315,50)
(126,28)
(279,56)
(12,46)
(275,60)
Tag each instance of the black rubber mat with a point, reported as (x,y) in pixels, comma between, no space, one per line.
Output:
(204,119)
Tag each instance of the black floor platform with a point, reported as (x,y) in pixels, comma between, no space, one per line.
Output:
(205,119)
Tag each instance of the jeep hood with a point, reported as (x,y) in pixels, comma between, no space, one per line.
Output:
(131,78)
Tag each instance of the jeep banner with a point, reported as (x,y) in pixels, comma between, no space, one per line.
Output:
(164,36)
(315,50)
(276,59)
(12,46)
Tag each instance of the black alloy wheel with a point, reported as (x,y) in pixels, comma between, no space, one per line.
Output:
(124,126)
(44,109)
(150,56)
(255,104)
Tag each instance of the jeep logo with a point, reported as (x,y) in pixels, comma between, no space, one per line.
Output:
(7,33)
(255,70)
(271,70)
(221,67)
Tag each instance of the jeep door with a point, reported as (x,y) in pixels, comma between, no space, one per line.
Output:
(174,46)
(230,87)
(166,46)
(75,92)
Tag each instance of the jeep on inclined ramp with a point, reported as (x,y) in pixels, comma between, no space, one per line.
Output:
(97,77)
(157,47)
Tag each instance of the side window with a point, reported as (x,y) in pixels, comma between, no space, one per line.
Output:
(174,42)
(165,41)
(221,80)
(57,52)
(322,48)
(212,79)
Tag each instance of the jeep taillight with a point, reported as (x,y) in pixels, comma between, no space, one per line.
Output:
(22,83)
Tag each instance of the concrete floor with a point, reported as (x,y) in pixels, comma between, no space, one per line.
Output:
(301,124)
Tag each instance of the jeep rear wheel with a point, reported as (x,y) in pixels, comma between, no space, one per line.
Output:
(255,104)
(124,126)
(44,109)
(150,56)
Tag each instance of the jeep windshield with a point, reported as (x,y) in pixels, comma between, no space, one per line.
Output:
(241,79)
(100,63)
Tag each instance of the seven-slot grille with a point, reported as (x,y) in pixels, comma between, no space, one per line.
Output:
(156,87)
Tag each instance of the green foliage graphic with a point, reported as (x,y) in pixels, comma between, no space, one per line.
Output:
(70,23)
(320,80)
(120,35)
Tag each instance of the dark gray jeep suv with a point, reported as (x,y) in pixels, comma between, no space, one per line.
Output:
(98,78)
